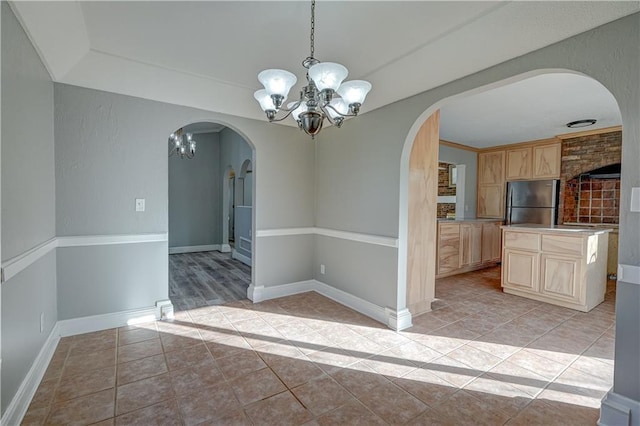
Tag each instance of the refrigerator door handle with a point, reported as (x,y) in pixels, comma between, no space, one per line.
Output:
(510,205)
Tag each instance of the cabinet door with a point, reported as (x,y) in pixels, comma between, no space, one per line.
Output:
(520,270)
(491,167)
(448,247)
(491,238)
(546,161)
(491,201)
(561,277)
(519,163)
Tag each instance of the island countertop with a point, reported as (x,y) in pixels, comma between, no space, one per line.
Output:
(468,219)
(567,229)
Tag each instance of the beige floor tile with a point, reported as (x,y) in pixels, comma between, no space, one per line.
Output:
(540,413)
(536,363)
(137,335)
(136,395)
(141,369)
(425,386)
(35,416)
(527,381)
(295,372)
(333,358)
(474,358)
(108,422)
(233,418)
(412,351)
(164,413)
(463,408)
(207,404)
(359,379)
(240,364)
(452,371)
(322,395)
(432,418)
(44,394)
(228,347)
(54,370)
(84,410)
(353,414)
(280,409)
(393,404)
(595,367)
(190,356)
(386,338)
(256,386)
(391,367)
(90,361)
(173,342)
(283,349)
(498,394)
(190,379)
(139,350)
(93,342)
(74,385)
(361,347)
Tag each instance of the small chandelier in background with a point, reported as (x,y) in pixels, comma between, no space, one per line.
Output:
(179,146)
(325,96)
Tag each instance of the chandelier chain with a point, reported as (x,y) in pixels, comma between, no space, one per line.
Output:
(313,25)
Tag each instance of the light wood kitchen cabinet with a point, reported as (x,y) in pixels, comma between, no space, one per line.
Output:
(465,245)
(491,168)
(519,163)
(448,247)
(470,244)
(565,267)
(491,201)
(491,184)
(491,242)
(546,161)
(520,270)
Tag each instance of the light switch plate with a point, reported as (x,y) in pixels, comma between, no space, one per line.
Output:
(139,204)
(635,199)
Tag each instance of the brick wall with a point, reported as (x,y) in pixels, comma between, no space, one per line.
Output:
(443,180)
(444,208)
(590,200)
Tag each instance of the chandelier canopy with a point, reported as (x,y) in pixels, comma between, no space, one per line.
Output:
(182,144)
(325,95)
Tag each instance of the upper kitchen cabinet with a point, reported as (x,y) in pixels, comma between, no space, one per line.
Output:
(546,161)
(491,168)
(519,163)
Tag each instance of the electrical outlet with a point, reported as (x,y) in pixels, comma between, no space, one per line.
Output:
(139,204)
(322,269)
(41,322)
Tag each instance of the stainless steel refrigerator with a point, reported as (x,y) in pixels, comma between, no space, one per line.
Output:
(532,202)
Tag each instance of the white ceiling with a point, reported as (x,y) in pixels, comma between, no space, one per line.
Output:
(531,109)
(206,54)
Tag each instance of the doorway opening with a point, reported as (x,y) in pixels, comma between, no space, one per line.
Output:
(210,206)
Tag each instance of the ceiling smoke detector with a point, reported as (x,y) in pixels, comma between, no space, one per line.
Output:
(581,123)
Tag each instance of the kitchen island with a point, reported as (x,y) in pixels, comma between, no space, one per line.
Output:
(562,265)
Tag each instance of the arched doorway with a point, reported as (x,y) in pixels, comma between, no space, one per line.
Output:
(416,274)
(205,194)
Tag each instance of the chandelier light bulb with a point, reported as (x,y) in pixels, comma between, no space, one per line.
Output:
(299,110)
(328,75)
(341,108)
(265,101)
(277,82)
(354,91)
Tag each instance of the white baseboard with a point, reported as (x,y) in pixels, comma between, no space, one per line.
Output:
(241,257)
(394,320)
(225,248)
(260,293)
(618,410)
(195,249)
(20,403)
(93,323)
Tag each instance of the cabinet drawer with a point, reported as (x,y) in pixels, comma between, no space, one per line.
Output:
(521,240)
(563,244)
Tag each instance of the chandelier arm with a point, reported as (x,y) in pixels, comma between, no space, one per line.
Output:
(337,112)
(296,105)
(288,113)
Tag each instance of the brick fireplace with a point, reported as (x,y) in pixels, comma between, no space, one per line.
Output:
(590,198)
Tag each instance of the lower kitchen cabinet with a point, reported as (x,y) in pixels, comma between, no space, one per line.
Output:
(465,245)
(554,265)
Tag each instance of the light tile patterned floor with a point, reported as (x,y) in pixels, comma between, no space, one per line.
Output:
(480,358)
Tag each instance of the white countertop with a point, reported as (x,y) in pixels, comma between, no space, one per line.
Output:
(558,228)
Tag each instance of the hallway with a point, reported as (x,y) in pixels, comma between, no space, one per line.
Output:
(206,278)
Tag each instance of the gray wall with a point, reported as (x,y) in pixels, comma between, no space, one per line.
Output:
(195,195)
(28,202)
(100,172)
(449,154)
(96,280)
(359,167)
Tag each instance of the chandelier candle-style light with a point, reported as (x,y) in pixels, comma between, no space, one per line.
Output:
(182,144)
(325,95)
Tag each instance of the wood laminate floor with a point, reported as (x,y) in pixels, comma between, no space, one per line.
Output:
(206,278)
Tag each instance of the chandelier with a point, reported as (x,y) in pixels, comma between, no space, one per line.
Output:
(325,95)
(182,144)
